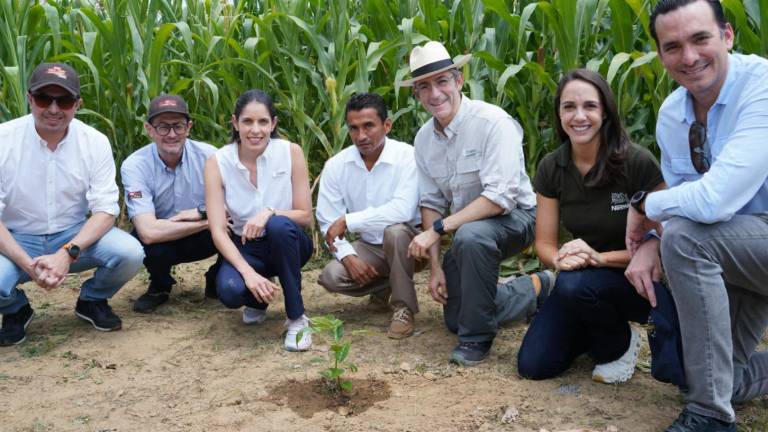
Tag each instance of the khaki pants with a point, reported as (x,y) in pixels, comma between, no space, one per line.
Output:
(389,259)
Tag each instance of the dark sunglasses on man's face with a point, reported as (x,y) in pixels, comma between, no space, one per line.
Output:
(65,102)
(697,137)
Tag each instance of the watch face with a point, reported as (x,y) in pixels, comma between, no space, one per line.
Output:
(74,251)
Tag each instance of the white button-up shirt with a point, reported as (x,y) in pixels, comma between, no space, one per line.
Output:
(273,177)
(372,200)
(44,191)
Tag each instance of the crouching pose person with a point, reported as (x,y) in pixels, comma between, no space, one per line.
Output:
(262,182)
(586,185)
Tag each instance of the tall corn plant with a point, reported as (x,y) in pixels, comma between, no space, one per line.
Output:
(313,55)
(29,34)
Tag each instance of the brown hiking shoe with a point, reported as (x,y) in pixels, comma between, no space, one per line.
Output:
(378,304)
(401,326)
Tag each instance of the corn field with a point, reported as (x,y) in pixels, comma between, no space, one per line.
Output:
(312,55)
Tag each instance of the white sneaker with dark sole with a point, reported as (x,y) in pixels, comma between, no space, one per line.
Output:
(623,368)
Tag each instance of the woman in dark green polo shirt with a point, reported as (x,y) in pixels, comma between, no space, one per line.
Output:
(585,184)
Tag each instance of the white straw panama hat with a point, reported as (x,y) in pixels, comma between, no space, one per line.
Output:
(431,59)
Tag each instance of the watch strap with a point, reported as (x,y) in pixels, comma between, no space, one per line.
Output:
(438,226)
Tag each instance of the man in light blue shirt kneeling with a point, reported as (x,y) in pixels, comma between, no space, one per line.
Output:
(164,195)
(714,245)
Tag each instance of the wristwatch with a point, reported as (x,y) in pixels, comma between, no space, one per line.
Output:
(439,227)
(73,251)
(637,201)
(201,210)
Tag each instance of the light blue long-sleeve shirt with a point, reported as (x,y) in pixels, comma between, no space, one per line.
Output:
(737,148)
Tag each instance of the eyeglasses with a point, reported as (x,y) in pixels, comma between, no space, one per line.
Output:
(65,102)
(164,129)
(697,137)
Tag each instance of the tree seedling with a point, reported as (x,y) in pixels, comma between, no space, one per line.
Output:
(337,362)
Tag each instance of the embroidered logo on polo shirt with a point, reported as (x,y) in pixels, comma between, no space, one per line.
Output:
(134,195)
(619,201)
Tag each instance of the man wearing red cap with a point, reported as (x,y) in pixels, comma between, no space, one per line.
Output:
(54,170)
(165,199)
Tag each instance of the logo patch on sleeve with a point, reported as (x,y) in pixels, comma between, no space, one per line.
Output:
(134,195)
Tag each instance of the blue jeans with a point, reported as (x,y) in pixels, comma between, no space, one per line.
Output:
(587,311)
(117,257)
(283,250)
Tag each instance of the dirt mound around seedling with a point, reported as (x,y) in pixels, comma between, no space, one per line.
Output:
(306,398)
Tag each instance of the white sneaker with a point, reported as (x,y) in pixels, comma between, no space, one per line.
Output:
(252,316)
(294,327)
(622,369)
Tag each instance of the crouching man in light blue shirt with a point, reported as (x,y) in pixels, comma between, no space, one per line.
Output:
(163,184)
(712,133)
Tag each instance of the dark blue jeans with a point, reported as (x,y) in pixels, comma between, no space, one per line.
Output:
(588,311)
(283,250)
(160,257)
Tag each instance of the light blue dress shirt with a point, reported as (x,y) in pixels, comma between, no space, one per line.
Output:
(151,187)
(737,148)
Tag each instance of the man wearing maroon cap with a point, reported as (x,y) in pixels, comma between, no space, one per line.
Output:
(163,183)
(54,170)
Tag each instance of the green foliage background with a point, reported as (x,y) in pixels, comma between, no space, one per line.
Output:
(311,55)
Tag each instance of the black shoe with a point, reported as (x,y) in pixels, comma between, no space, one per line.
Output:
(15,326)
(691,422)
(210,287)
(470,353)
(149,301)
(98,313)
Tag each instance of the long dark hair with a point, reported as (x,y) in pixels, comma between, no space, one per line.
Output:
(258,96)
(614,141)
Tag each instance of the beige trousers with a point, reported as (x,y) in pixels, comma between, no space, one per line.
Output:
(389,259)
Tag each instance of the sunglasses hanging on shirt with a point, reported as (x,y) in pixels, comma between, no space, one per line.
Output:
(697,138)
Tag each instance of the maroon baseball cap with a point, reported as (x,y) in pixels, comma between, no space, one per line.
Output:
(167,104)
(58,74)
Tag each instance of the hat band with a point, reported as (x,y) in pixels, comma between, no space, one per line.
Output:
(431,67)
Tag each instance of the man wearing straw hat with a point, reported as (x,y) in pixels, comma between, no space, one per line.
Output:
(473,185)
(54,171)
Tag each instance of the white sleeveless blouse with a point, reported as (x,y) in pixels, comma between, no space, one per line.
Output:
(273,176)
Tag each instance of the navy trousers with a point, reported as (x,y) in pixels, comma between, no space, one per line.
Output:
(281,252)
(160,257)
(587,311)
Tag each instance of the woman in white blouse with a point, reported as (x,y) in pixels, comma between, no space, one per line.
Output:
(261,183)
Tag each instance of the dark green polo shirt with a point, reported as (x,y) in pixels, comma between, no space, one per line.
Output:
(597,215)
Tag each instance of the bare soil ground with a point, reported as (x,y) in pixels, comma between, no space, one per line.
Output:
(194,366)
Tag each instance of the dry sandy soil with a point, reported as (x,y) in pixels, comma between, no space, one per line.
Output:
(193,366)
